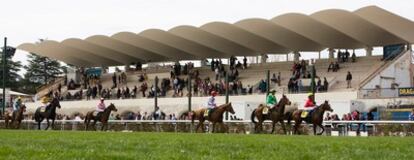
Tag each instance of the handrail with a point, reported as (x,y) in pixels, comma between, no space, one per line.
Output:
(379,69)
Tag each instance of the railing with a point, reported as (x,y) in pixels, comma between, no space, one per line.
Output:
(378,93)
(334,128)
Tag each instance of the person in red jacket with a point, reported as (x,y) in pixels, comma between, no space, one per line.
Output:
(310,103)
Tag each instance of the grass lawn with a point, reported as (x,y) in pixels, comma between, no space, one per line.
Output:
(118,145)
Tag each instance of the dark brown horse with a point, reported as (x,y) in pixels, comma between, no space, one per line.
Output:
(275,114)
(103,118)
(316,118)
(14,117)
(49,113)
(216,116)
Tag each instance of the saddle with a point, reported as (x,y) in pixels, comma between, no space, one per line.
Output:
(42,108)
(95,113)
(207,112)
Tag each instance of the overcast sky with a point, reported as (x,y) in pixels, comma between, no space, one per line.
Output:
(29,20)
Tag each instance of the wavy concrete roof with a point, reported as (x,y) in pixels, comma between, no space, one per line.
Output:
(333,28)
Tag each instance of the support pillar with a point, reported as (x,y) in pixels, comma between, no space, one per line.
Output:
(287,57)
(319,55)
(331,53)
(227,94)
(127,67)
(296,56)
(368,51)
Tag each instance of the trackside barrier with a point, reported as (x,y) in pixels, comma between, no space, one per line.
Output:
(334,128)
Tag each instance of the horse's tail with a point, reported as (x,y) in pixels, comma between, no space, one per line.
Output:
(253,115)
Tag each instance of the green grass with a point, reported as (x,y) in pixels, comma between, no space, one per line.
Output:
(117,145)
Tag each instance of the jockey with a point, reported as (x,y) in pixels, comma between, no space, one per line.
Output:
(17,103)
(44,101)
(211,103)
(271,99)
(101,106)
(310,104)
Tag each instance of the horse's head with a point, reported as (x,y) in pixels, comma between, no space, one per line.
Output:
(55,103)
(326,106)
(23,108)
(112,107)
(285,100)
(229,108)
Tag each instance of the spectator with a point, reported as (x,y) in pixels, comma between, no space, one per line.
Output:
(144,87)
(262,86)
(348,79)
(273,79)
(353,57)
(331,67)
(279,80)
(244,62)
(412,115)
(336,67)
(114,80)
(319,85)
(325,84)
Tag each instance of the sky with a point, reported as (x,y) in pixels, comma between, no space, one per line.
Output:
(27,20)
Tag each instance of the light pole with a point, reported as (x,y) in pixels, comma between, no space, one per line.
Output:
(4,74)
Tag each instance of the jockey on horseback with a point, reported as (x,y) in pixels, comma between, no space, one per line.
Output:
(17,103)
(270,101)
(211,103)
(309,105)
(100,107)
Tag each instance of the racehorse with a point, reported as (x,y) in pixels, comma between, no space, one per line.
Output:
(48,113)
(275,114)
(316,118)
(216,116)
(103,118)
(14,117)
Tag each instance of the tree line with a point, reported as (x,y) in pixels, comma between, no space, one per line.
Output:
(39,71)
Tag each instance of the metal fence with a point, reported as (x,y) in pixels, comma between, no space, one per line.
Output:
(333,128)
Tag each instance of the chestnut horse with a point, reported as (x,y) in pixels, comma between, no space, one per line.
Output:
(316,118)
(103,118)
(49,113)
(276,114)
(14,117)
(216,116)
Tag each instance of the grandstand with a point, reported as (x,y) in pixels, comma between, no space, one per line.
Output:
(290,33)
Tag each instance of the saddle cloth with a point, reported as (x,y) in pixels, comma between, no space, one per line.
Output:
(95,113)
(304,114)
(265,110)
(206,113)
(42,109)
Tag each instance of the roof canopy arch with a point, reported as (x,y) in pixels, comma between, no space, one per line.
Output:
(213,41)
(279,34)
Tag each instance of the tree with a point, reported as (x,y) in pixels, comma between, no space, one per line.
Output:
(42,69)
(12,68)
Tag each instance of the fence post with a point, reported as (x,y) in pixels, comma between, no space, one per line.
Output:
(227,94)
(156,94)
(189,92)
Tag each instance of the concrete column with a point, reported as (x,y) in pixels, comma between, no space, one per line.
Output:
(331,53)
(368,51)
(127,67)
(319,55)
(264,58)
(287,57)
(296,56)
(203,62)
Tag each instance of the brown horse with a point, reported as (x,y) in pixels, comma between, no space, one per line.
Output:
(103,118)
(49,113)
(316,118)
(14,117)
(276,114)
(216,116)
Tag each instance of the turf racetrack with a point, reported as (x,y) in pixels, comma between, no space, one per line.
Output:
(118,145)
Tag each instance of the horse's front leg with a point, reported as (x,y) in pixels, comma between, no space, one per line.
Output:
(282,123)
(214,127)
(94,124)
(323,129)
(47,120)
(314,129)
(53,123)
(103,126)
(226,129)
(273,127)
